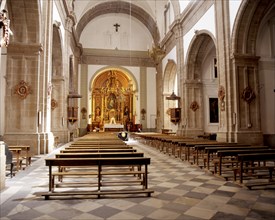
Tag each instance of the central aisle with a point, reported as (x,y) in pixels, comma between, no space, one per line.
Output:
(181,191)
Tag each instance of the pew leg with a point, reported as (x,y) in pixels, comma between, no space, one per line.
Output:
(270,170)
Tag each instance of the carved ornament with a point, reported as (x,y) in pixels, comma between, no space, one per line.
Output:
(194,106)
(22,89)
(248,95)
(54,104)
(221,93)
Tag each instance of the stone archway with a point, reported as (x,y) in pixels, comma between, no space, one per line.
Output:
(169,86)
(58,100)
(250,71)
(200,86)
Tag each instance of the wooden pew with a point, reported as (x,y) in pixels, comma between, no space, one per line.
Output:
(100,147)
(94,150)
(102,142)
(100,163)
(199,152)
(250,158)
(96,155)
(189,146)
(211,150)
(16,151)
(227,157)
(99,155)
(24,153)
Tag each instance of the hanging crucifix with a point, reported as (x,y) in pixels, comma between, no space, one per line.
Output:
(117,26)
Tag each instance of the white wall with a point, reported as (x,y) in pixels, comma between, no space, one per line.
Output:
(131,35)
(233,9)
(207,20)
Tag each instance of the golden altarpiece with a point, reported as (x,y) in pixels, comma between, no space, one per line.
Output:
(112,101)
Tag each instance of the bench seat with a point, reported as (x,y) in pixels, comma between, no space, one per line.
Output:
(47,195)
(100,164)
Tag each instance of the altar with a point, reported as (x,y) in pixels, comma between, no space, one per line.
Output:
(113,127)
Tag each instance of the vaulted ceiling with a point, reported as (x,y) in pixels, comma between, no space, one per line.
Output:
(139,22)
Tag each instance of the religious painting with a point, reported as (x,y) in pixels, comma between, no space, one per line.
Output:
(214,110)
(111,101)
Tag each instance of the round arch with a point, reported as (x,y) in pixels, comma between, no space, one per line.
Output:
(24,30)
(247,23)
(198,46)
(120,7)
(246,38)
(57,67)
(169,82)
(169,76)
(201,85)
(126,74)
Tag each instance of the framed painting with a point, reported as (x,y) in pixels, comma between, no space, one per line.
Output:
(214,110)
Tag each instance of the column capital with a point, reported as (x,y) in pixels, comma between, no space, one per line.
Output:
(70,21)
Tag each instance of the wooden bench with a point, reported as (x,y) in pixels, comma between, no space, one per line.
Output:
(24,153)
(111,142)
(200,153)
(94,150)
(250,158)
(211,151)
(60,172)
(98,155)
(100,147)
(227,157)
(100,164)
(189,146)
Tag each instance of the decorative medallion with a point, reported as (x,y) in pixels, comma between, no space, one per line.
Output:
(22,89)
(53,104)
(248,95)
(221,93)
(194,106)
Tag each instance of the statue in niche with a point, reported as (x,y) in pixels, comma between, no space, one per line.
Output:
(97,113)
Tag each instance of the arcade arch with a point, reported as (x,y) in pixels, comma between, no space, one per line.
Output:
(201,86)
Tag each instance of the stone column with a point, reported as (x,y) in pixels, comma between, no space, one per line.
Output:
(68,52)
(84,100)
(159,99)
(178,31)
(23,96)
(226,105)
(247,99)
(28,88)
(143,96)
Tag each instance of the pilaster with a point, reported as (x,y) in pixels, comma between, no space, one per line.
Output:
(143,97)
(226,104)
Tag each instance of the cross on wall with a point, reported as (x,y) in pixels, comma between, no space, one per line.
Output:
(116,26)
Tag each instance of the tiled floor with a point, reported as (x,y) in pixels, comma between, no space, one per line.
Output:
(182,191)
